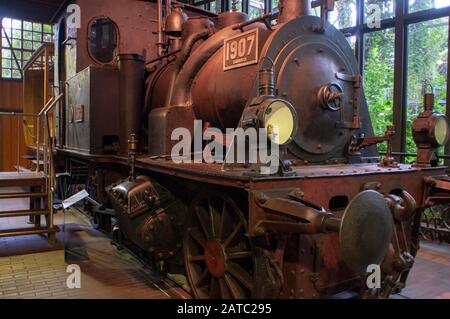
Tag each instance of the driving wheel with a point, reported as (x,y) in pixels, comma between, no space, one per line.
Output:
(217,252)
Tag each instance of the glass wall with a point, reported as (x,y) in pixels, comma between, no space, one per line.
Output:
(426,68)
(379,78)
(344,14)
(19,40)
(418,5)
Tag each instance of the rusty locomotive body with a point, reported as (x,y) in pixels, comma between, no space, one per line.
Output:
(134,71)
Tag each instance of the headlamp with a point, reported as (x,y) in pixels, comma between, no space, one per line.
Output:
(277,116)
(430,130)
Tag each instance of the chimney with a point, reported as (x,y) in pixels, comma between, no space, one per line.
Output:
(291,9)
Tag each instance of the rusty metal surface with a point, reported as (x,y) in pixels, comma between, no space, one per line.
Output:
(92,121)
(366,230)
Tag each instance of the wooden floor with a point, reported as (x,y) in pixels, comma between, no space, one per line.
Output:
(29,268)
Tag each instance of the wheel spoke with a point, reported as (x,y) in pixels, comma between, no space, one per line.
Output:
(203,223)
(224,293)
(202,279)
(235,290)
(198,237)
(213,287)
(216,222)
(222,220)
(240,274)
(197,258)
(233,233)
(240,255)
(212,218)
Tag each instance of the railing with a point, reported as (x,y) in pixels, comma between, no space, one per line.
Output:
(36,124)
(46,146)
(49,148)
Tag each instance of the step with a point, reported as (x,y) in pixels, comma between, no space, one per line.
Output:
(8,179)
(19,213)
(22,195)
(27,231)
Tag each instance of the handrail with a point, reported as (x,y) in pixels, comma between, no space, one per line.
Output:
(19,114)
(47,105)
(49,169)
(47,147)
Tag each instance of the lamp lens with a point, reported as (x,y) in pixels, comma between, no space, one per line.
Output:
(279,122)
(441,130)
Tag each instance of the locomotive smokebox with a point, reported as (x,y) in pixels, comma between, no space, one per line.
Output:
(131,79)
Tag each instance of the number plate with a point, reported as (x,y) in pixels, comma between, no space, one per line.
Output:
(241,50)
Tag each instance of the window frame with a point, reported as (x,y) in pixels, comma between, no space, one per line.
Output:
(20,62)
(400,22)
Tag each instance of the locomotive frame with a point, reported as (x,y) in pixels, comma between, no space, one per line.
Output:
(288,232)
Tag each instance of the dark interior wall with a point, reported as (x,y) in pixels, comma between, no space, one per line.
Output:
(10,130)
(33,10)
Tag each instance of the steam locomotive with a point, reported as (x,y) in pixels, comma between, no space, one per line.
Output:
(135,71)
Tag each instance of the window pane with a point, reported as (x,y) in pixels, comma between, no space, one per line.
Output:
(48,37)
(344,14)
(352,41)
(385,9)
(18,54)
(103,40)
(36,45)
(8,33)
(48,28)
(27,45)
(418,5)
(6,53)
(27,35)
(37,27)
(26,55)
(27,25)
(6,73)
(6,63)
(255,8)
(427,66)
(275,4)
(16,43)
(17,34)
(379,78)
(37,36)
(213,7)
(6,22)
(16,74)
(17,24)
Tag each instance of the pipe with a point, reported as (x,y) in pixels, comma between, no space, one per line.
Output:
(168,7)
(196,61)
(189,44)
(292,9)
(159,17)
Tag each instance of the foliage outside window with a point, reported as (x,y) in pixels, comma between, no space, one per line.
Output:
(427,52)
(344,14)
(255,8)
(385,7)
(379,78)
(427,68)
(419,5)
(24,37)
